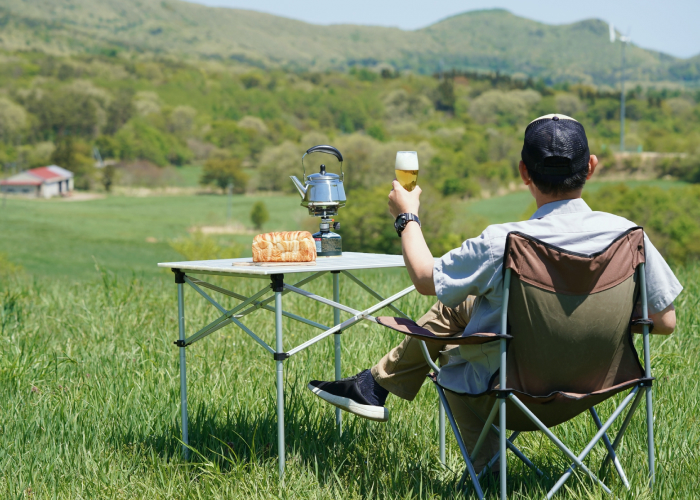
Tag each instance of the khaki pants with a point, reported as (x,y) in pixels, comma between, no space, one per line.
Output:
(403,370)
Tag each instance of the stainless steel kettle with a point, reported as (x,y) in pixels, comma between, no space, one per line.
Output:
(322,193)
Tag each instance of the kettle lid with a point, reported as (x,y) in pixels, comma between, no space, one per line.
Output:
(322,176)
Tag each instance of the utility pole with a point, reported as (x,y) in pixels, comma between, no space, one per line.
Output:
(624,40)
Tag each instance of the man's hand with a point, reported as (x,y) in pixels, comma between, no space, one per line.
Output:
(416,254)
(402,201)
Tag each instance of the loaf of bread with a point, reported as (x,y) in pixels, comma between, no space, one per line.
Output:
(287,246)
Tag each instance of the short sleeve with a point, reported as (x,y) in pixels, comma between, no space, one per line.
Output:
(662,285)
(467,270)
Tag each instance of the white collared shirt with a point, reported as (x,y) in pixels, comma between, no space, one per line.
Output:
(476,268)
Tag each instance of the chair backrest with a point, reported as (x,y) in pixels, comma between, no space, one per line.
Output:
(569,315)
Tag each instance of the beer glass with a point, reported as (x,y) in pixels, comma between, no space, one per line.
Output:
(407,169)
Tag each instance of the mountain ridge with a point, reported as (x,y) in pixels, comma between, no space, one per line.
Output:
(485,40)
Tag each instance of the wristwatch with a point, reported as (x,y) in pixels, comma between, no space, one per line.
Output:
(402,220)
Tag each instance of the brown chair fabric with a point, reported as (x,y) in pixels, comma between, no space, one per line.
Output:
(570,343)
(410,328)
(557,270)
(569,317)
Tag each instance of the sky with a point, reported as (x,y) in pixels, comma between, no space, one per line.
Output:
(670,26)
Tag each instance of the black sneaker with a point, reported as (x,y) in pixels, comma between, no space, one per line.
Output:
(351,394)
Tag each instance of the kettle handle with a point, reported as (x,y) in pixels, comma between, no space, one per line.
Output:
(324,148)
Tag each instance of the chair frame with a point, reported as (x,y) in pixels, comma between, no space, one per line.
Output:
(634,397)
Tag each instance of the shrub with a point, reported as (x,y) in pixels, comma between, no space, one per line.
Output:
(138,140)
(198,246)
(277,163)
(671,217)
(685,168)
(224,171)
(259,214)
(505,108)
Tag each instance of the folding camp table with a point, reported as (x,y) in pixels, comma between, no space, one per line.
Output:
(244,268)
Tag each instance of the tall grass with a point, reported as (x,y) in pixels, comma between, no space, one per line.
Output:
(89,404)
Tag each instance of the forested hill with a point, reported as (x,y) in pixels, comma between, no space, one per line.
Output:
(493,40)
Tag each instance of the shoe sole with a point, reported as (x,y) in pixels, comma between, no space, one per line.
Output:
(376,413)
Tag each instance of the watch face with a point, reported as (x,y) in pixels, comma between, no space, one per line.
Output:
(400,223)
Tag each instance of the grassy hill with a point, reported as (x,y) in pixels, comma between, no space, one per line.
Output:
(493,40)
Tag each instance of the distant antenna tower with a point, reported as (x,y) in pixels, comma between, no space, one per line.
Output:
(624,40)
(96,154)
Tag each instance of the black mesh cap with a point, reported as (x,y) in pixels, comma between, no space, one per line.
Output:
(555,145)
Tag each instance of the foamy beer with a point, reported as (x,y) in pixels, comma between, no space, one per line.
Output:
(407,169)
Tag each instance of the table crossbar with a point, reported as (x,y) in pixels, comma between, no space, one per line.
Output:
(227,316)
(374,294)
(324,300)
(258,305)
(285,292)
(351,321)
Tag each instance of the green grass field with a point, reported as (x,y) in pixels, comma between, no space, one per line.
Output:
(89,380)
(89,408)
(66,238)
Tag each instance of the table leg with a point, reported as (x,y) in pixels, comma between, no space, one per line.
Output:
(183,369)
(280,383)
(336,321)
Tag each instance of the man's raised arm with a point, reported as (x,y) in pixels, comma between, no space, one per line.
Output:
(416,254)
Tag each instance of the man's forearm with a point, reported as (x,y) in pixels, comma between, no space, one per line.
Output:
(418,259)
(664,321)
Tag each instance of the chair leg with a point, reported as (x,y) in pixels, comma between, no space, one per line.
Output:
(485,431)
(622,430)
(502,438)
(650,437)
(559,444)
(509,443)
(578,461)
(611,451)
(495,458)
(460,442)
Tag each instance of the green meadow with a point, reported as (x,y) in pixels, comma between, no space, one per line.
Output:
(89,377)
(128,235)
(69,238)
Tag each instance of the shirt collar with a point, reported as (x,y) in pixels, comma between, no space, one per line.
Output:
(561,207)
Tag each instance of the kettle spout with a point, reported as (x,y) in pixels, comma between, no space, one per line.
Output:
(300,187)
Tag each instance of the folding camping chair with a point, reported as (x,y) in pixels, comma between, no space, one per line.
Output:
(566,346)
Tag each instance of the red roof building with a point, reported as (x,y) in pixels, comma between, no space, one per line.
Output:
(42,182)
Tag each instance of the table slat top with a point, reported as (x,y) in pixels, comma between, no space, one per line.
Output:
(346,262)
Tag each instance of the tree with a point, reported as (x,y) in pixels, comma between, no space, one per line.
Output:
(13,118)
(64,154)
(224,171)
(259,214)
(74,156)
(120,110)
(445,95)
(108,177)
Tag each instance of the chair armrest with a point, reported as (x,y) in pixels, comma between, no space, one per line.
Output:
(410,328)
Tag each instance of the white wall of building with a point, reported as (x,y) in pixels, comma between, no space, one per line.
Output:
(25,190)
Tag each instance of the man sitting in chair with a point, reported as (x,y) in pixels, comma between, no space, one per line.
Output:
(468,281)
